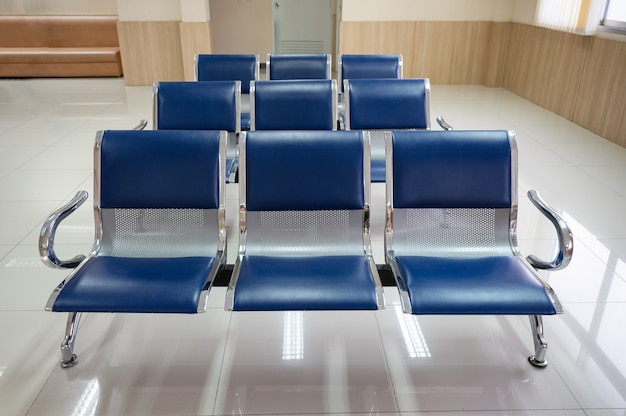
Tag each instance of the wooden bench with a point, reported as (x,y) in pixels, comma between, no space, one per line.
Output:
(59,46)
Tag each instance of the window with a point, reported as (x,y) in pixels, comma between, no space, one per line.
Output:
(558,14)
(615,15)
(575,16)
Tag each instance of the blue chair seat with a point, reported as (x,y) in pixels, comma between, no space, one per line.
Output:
(299,283)
(245,121)
(136,285)
(499,285)
(378,172)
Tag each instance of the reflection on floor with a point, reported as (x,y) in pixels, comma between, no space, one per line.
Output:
(315,363)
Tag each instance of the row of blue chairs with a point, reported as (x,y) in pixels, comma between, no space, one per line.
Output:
(246,68)
(373,105)
(304,227)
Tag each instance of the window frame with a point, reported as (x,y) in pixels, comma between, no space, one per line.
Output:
(617,26)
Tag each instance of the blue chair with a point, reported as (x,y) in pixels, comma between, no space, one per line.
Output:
(202,105)
(450,236)
(304,223)
(379,105)
(160,236)
(365,67)
(230,67)
(368,67)
(293,105)
(298,66)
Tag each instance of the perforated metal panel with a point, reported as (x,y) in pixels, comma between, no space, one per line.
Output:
(159,232)
(453,232)
(321,232)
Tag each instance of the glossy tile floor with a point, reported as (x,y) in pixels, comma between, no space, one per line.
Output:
(314,363)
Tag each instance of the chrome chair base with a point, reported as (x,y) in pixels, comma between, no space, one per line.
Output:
(70,363)
(535,363)
(68,358)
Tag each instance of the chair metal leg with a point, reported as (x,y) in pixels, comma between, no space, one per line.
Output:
(541,346)
(68,358)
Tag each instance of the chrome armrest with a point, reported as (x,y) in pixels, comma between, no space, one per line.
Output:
(142,124)
(564,234)
(444,124)
(48,231)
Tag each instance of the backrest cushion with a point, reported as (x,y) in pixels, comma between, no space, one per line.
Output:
(227,67)
(159,169)
(370,66)
(303,170)
(294,105)
(210,105)
(452,169)
(378,104)
(305,66)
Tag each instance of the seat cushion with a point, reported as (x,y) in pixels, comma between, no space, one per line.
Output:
(119,284)
(304,283)
(245,121)
(378,171)
(503,285)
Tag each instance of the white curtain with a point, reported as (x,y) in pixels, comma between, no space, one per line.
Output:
(558,14)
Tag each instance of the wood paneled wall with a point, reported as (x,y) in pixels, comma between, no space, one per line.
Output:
(545,67)
(601,98)
(151,51)
(445,52)
(581,78)
(195,37)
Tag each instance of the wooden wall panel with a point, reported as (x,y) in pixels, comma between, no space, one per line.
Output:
(151,51)
(445,52)
(195,37)
(601,98)
(545,67)
(133,36)
(582,78)
(498,46)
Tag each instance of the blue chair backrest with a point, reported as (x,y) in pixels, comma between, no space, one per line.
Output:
(452,169)
(293,105)
(304,66)
(211,105)
(386,104)
(303,170)
(228,67)
(159,169)
(369,66)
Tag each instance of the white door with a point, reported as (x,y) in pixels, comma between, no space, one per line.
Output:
(302,26)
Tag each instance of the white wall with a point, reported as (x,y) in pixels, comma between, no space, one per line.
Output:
(242,26)
(428,10)
(149,11)
(163,10)
(58,7)
(524,11)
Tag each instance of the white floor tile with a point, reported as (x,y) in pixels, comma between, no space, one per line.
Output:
(455,363)
(19,219)
(40,138)
(29,351)
(588,353)
(26,282)
(586,279)
(304,362)
(140,364)
(28,185)
(14,157)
